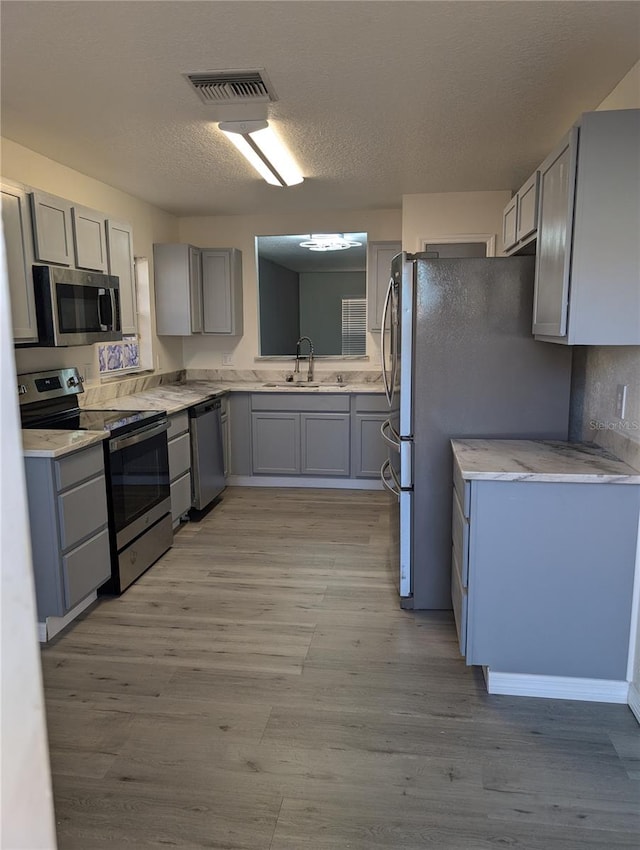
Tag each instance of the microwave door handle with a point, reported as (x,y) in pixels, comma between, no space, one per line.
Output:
(385,310)
(101,293)
(114,310)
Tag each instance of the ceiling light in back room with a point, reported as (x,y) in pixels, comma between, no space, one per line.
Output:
(260,146)
(329,242)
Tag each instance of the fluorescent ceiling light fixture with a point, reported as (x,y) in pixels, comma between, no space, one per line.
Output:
(329,242)
(257,142)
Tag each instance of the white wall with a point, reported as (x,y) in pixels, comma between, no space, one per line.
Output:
(451,214)
(240,232)
(26,803)
(149,225)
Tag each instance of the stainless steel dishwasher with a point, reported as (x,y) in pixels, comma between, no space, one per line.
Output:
(207,462)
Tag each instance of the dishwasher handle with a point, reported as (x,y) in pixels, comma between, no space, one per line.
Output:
(205,407)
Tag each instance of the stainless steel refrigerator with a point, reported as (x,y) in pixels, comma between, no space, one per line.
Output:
(459,361)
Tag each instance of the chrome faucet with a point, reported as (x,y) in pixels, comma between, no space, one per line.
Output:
(297,366)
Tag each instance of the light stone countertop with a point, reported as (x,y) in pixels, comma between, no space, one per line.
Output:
(41,442)
(170,397)
(176,397)
(540,460)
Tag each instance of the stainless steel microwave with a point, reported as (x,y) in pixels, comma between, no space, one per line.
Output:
(75,307)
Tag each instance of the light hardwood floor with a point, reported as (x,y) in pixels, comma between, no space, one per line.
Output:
(260,688)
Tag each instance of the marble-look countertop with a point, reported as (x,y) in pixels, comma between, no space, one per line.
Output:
(172,398)
(41,442)
(540,460)
(176,397)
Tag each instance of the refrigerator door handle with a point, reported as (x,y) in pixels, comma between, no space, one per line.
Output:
(386,466)
(385,311)
(384,429)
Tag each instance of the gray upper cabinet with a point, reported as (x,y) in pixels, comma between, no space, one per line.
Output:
(89,238)
(379,256)
(527,219)
(520,217)
(553,252)
(222,291)
(120,259)
(178,289)
(587,289)
(16,224)
(52,229)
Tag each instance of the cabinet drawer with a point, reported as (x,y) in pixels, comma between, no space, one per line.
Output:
(459,604)
(82,511)
(86,568)
(180,496)
(79,466)
(301,402)
(460,535)
(463,489)
(179,456)
(372,403)
(178,424)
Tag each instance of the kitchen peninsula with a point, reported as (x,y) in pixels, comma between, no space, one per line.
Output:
(544,538)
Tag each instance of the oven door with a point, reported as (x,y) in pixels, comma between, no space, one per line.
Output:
(139,480)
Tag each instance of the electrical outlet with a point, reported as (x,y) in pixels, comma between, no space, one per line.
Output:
(621,400)
(227,358)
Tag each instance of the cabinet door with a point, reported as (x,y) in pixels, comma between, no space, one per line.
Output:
(509,224)
(195,289)
(225,443)
(178,289)
(379,256)
(19,250)
(325,443)
(222,291)
(527,218)
(275,439)
(368,448)
(120,259)
(555,228)
(52,232)
(89,237)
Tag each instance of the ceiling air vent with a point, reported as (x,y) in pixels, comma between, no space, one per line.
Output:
(232,86)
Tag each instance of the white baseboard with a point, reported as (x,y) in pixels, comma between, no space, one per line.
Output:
(294,481)
(634,700)
(557,687)
(53,625)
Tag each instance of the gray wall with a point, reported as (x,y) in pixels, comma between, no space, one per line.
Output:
(279,308)
(597,371)
(321,295)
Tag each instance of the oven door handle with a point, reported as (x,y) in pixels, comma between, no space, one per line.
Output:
(145,434)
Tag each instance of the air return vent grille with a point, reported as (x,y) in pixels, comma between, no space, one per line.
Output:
(232,86)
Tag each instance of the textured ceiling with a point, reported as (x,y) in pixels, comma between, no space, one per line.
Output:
(376,99)
(287,252)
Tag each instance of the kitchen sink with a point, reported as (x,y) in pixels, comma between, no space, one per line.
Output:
(300,385)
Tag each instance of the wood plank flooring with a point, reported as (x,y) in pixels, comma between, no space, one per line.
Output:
(260,689)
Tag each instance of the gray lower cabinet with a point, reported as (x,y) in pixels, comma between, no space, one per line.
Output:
(179,444)
(69,535)
(300,434)
(368,450)
(542,575)
(226,442)
(275,443)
